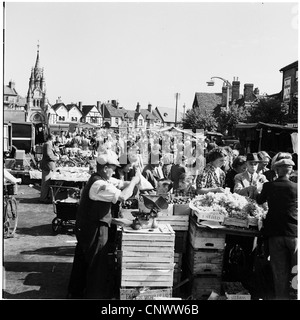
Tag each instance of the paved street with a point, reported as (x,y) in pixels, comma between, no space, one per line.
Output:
(37,262)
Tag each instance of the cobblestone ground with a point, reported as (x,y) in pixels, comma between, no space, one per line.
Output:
(36,262)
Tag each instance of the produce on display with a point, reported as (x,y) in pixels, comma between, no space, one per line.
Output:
(228,204)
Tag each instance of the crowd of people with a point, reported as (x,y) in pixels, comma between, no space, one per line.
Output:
(192,166)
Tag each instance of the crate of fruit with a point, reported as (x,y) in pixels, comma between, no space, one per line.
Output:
(181,205)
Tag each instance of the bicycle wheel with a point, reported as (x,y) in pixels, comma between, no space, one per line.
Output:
(10,218)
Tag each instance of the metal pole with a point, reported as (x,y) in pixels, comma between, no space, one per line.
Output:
(176,94)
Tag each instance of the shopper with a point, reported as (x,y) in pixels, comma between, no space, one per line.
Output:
(249,182)
(271,174)
(264,162)
(238,166)
(48,165)
(178,168)
(280,225)
(212,179)
(91,275)
(151,172)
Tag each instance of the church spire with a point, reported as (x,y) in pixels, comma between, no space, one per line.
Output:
(37,63)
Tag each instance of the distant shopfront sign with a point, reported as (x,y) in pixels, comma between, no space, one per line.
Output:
(287,89)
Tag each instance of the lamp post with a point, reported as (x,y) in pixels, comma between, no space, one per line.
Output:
(177,95)
(228,86)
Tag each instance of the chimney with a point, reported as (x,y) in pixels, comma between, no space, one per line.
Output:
(99,106)
(80,105)
(11,84)
(58,100)
(248,92)
(224,95)
(150,107)
(235,89)
(256,91)
(138,108)
(114,103)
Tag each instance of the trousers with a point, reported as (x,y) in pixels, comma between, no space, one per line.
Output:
(283,257)
(45,185)
(91,274)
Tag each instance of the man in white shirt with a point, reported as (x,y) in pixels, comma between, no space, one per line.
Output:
(90,274)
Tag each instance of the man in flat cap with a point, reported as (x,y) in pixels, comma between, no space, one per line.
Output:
(281,226)
(90,273)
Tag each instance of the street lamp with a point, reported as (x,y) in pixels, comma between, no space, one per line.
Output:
(228,86)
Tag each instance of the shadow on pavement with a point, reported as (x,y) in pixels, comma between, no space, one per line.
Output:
(55,251)
(51,277)
(45,230)
(29,200)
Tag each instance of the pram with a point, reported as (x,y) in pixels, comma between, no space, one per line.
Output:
(65,209)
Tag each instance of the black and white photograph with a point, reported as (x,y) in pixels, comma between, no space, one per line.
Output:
(150,152)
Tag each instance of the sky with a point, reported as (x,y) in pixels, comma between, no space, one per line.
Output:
(147,52)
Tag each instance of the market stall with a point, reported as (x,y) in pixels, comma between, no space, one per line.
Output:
(71,176)
(200,227)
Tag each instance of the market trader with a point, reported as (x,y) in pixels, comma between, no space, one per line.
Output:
(48,167)
(280,226)
(90,276)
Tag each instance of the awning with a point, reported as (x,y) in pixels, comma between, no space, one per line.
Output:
(259,125)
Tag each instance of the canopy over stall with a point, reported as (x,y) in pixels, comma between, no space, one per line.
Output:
(265,136)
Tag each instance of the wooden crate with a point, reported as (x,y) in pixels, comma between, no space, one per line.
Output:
(178,223)
(207,215)
(166,212)
(181,209)
(253,222)
(234,222)
(203,238)
(146,277)
(147,257)
(205,261)
(202,286)
(235,291)
(142,294)
(181,241)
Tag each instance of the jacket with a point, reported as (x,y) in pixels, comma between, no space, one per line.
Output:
(282,216)
(243,180)
(49,157)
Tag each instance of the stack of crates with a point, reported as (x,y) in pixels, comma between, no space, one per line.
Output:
(179,221)
(205,254)
(147,262)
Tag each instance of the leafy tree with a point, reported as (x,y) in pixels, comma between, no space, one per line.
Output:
(195,119)
(228,119)
(269,111)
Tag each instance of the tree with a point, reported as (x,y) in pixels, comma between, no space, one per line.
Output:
(268,111)
(195,119)
(228,119)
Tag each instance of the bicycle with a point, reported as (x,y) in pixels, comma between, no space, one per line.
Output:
(10,212)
